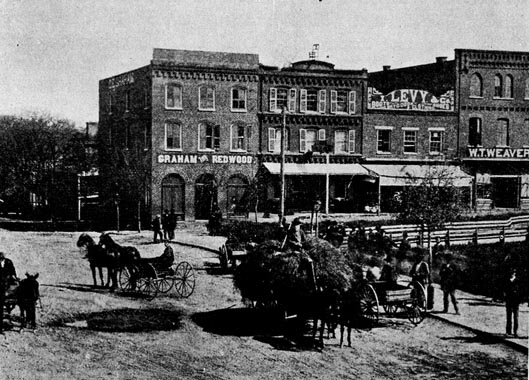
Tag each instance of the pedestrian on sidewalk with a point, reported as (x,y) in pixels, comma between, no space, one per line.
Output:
(513,298)
(156,225)
(449,279)
(420,271)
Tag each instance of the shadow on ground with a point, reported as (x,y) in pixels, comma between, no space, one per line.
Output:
(126,320)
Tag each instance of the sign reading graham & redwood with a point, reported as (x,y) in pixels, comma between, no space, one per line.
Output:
(499,153)
(204,159)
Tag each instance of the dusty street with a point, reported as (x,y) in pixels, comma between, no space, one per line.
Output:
(93,334)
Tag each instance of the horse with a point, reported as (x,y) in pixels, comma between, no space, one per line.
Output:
(27,294)
(126,254)
(99,258)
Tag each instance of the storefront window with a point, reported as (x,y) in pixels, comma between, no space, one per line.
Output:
(474,131)
(384,141)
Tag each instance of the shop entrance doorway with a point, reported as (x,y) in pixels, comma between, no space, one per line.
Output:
(505,192)
(205,196)
(173,195)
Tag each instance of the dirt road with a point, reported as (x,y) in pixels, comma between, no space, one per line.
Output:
(93,334)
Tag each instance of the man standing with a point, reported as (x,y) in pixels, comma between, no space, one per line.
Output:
(7,276)
(165,225)
(157,228)
(513,298)
(420,271)
(449,278)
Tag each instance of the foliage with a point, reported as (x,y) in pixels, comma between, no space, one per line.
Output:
(245,231)
(37,155)
(431,202)
(270,277)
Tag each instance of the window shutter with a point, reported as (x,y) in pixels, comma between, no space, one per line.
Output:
(334,101)
(271,139)
(302,100)
(248,137)
(292,100)
(352,101)
(351,141)
(321,135)
(233,137)
(273,99)
(322,101)
(302,140)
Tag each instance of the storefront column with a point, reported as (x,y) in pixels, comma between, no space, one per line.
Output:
(327,184)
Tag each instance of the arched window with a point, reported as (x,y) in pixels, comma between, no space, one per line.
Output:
(474,131)
(508,87)
(476,85)
(498,86)
(502,132)
(237,195)
(173,194)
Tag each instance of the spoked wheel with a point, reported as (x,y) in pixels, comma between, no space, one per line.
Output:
(369,304)
(165,284)
(127,278)
(184,282)
(418,295)
(415,314)
(147,282)
(391,309)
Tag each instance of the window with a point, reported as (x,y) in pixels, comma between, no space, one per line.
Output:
(436,142)
(278,99)
(274,140)
(498,86)
(173,96)
(527,89)
(292,100)
(474,131)
(206,98)
(307,139)
(343,101)
(508,87)
(352,101)
(410,141)
(173,136)
(344,141)
(239,137)
(127,100)
(208,136)
(322,101)
(476,85)
(321,135)
(502,132)
(309,101)
(238,99)
(384,141)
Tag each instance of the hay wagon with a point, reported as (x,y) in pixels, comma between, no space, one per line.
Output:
(396,299)
(150,279)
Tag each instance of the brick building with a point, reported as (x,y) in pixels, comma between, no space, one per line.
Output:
(323,109)
(190,119)
(493,139)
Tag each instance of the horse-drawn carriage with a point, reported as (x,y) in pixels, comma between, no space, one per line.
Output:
(395,298)
(132,273)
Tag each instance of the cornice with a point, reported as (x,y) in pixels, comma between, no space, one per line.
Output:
(303,119)
(207,74)
(313,81)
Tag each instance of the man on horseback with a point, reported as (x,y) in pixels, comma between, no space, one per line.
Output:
(8,276)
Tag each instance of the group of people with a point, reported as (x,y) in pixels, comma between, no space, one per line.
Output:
(167,223)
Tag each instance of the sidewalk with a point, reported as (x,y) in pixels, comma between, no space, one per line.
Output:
(483,316)
(480,314)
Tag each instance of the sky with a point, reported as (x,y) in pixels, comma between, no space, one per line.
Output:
(54,52)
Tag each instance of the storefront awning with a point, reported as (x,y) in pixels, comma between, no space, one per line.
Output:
(316,169)
(413,175)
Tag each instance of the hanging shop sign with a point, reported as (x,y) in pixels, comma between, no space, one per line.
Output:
(204,159)
(521,153)
(410,99)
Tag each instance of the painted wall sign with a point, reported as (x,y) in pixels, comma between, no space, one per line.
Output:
(121,80)
(409,99)
(498,153)
(204,159)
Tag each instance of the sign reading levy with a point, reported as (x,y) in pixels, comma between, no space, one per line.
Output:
(410,99)
(498,153)
(204,159)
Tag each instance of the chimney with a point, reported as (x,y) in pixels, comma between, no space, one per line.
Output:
(386,67)
(440,59)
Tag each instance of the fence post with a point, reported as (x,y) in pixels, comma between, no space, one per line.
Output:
(447,239)
(475,237)
(502,236)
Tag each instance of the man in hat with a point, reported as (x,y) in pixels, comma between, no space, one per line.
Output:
(157,228)
(7,276)
(449,280)
(295,236)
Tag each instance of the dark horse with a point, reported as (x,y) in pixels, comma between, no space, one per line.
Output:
(99,258)
(27,296)
(126,254)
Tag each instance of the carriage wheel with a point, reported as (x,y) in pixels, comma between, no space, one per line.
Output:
(391,309)
(148,287)
(126,278)
(418,295)
(369,304)
(165,284)
(415,314)
(184,279)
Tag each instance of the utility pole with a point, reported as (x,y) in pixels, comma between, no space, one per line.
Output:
(282,168)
